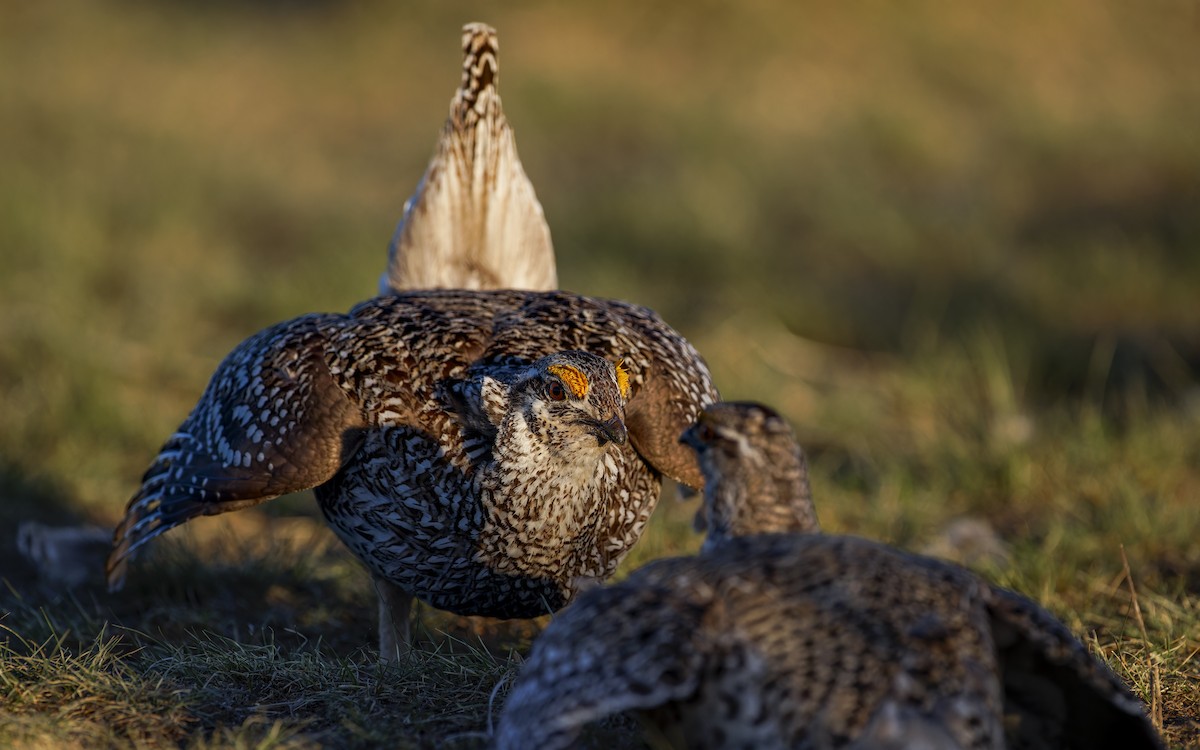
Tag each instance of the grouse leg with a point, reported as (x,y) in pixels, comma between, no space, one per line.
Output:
(395,633)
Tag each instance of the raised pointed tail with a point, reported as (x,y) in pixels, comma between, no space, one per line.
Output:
(474,221)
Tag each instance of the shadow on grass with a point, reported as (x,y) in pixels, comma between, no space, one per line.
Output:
(248,577)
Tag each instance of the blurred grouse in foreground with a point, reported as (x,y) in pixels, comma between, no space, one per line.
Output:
(811,641)
(487,452)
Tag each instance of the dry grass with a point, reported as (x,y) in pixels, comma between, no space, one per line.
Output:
(957,246)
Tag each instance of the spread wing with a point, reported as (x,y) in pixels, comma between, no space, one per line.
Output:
(1056,694)
(671,386)
(271,421)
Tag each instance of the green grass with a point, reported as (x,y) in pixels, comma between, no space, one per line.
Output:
(958,247)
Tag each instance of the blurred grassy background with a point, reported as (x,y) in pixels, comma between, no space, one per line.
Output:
(959,246)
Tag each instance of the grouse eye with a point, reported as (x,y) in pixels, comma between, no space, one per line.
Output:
(555,391)
(705,432)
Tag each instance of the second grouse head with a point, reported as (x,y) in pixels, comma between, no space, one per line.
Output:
(755,474)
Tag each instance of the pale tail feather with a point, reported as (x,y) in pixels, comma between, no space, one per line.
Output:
(474,221)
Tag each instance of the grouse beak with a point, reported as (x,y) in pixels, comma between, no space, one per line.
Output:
(690,439)
(612,430)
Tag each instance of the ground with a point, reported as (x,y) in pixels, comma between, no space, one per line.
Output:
(957,247)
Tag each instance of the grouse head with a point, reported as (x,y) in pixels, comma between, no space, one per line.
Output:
(573,404)
(755,474)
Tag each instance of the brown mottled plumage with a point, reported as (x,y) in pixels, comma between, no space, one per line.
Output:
(803,640)
(765,488)
(475,221)
(428,422)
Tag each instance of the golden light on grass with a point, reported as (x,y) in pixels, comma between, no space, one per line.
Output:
(955,245)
